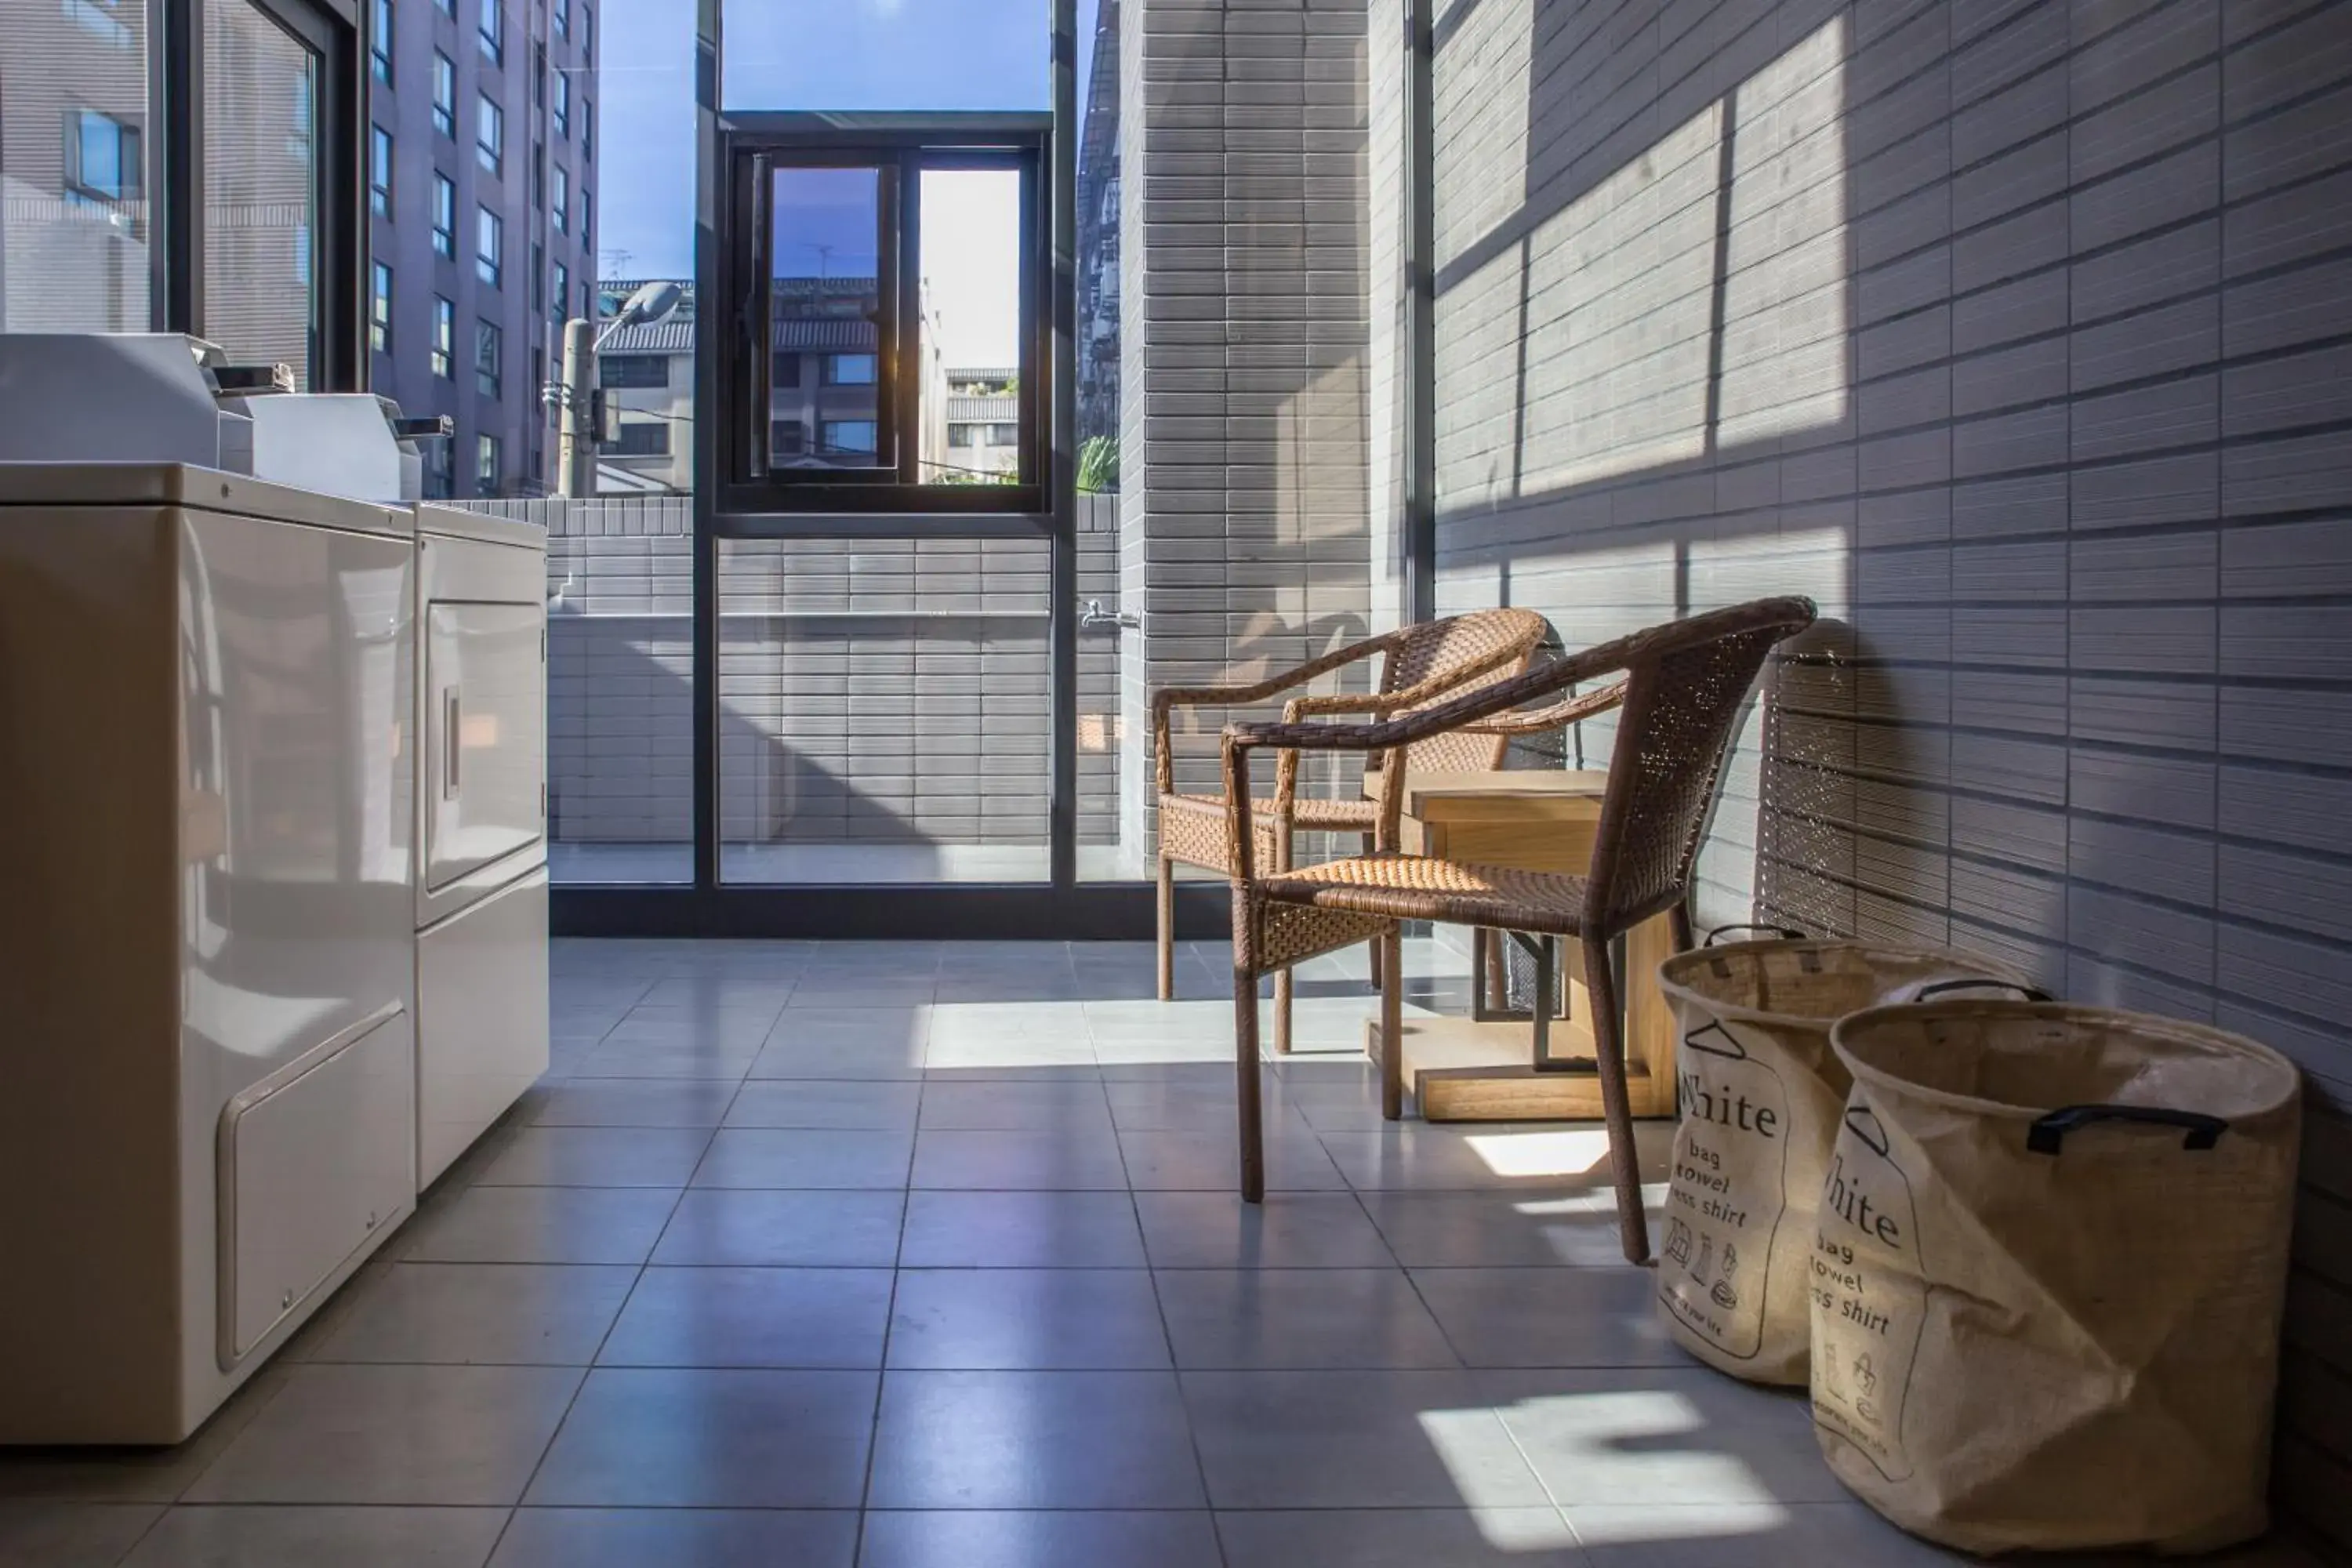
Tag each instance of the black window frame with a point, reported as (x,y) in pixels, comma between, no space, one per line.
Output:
(490,359)
(489,457)
(379,43)
(491,265)
(558,199)
(129,156)
(559,112)
(490,31)
(445,95)
(443,216)
(380,306)
(335,32)
(621,447)
(750,147)
(490,135)
(443,353)
(379,170)
(613,377)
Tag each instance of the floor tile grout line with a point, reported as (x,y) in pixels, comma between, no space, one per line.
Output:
(572,1405)
(889,1326)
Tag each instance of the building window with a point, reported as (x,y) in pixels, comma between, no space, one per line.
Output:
(961,435)
(587,300)
(440,469)
(538,276)
(632,371)
(643,438)
(446,7)
(102,158)
(444,217)
(490,135)
(587,36)
(1003,435)
(588,129)
(102,20)
(559,200)
(537,178)
(445,95)
(587,215)
(846,437)
(561,111)
(486,465)
(849,369)
(562,290)
(379,171)
(494,32)
(787,438)
(538,388)
(445,336)
(784,375)
(489,246)
(380,42)
(487,346)
(380,308)
(561,14)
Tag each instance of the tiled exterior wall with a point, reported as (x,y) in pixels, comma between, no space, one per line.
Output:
(2019,334)
(1245,538)
(871,691)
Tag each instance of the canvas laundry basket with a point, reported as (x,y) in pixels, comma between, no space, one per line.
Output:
(1760,1095)
(2049,1271)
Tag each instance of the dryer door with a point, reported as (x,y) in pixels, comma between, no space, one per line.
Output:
(485,695)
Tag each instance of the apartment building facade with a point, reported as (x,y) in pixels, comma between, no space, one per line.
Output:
(481,163)
(824,377)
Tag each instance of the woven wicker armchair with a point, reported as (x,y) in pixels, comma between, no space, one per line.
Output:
(1683,687)
(1421,663)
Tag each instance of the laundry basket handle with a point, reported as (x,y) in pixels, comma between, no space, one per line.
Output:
(1784,932)
(2030,993)
(2049,1131)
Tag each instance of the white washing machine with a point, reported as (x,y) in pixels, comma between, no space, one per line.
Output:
(207,948)
(481,841)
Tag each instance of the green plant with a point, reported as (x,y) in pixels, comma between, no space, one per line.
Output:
(1098,466)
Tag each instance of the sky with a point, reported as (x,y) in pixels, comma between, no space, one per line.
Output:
(826,54)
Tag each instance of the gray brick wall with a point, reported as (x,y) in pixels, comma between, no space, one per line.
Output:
(871,691)
(2017,335)
(1245,538)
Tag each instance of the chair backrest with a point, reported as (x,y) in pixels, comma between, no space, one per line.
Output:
(1685,683)
(1459,642)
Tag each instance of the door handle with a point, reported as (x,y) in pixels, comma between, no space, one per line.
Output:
(452,763)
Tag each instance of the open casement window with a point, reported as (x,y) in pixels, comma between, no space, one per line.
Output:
(862,255)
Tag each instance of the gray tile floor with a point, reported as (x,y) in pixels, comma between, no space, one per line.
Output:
(927,1257)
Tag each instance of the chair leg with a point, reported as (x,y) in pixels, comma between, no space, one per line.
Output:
(1609,1049)
(1166,929)
(1249,1072)
(1371,842)
(1282,995)
(1390,947)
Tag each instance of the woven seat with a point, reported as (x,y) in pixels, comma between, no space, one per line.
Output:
(1419,665)
(1680,698)
(1418,888)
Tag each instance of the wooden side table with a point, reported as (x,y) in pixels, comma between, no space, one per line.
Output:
(1469,1069)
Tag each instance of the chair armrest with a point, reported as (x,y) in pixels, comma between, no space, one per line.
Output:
(1568,711)
(1168,698)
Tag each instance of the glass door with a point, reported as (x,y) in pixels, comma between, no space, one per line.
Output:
(886,538)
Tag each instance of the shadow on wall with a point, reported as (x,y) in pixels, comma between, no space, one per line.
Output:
(766,784)
(1645,363)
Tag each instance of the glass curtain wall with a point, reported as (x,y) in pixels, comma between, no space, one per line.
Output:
(886,702)
(620,561)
